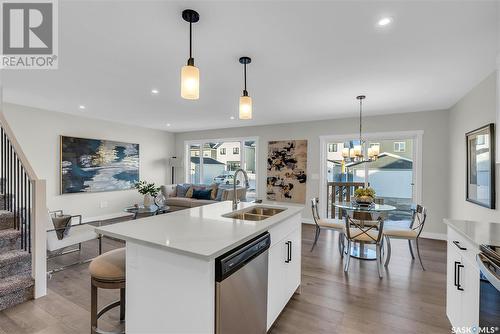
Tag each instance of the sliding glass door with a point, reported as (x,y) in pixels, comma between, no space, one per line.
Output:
(393,174)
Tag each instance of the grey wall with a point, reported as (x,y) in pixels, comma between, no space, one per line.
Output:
(435,152)
(38,131)
(474,110)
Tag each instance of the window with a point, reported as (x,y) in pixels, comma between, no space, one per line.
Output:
(399,146)
(374,144)
(217,166)
(332,147)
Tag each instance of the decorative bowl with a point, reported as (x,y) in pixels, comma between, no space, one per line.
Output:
(364,200)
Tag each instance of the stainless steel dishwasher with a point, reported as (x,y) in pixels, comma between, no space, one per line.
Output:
(241,288)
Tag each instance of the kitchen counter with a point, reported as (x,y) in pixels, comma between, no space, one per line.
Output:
(199,232)
(477,232)
(170,264)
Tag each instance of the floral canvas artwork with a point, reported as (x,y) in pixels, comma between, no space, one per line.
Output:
(94,165)
(287,171)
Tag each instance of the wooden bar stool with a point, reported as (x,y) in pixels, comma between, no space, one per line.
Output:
(107,271)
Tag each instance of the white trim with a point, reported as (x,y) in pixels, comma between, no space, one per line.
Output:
(417,135)
(242,141)
(307,221)
(432,235)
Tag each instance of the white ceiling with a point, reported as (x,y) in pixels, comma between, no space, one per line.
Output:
(309,60)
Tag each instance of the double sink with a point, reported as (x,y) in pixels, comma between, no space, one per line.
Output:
(254,213)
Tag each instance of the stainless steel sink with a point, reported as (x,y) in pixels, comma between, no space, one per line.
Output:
(256,213)
(265,211)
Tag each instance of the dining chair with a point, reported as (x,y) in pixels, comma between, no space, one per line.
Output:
(419,215)
(372,233)
(332,224)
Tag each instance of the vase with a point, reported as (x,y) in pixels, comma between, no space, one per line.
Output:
(364,200)
(148,200)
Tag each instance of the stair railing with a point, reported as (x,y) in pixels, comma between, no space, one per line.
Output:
(25,196)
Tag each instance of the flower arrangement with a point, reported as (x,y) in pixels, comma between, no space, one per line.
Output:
(364,195)
(145,188)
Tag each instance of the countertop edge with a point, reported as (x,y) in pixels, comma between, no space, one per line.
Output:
(102,230)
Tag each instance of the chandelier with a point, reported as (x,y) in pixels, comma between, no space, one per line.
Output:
(358,153)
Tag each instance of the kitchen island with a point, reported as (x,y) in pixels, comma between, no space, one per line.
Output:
(170,266)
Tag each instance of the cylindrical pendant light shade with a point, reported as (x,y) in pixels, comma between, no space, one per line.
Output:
(245,107)
(190,82)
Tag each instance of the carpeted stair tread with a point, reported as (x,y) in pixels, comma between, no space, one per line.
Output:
(6,220)
(10,239)
(14,256)
(17,282)
(15,290)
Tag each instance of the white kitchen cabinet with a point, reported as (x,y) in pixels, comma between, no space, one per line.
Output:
(283,272)
(462,282)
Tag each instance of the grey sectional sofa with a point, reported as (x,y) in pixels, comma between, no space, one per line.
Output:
(178,203)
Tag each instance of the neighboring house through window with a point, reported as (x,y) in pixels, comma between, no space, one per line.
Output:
(399,146)
(332,147)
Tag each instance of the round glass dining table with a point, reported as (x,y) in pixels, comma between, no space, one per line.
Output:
(377,212)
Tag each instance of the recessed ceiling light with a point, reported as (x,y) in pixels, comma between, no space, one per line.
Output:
(232,117)
(81,107)
(168,124)
(154,91)
(384,21)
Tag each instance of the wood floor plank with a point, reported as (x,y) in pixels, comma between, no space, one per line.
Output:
(406,300)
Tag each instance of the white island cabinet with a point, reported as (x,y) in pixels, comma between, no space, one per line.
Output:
(170,265)
(462,274)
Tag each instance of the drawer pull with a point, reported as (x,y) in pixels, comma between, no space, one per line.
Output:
(459,287)
(455,274)
(458,245)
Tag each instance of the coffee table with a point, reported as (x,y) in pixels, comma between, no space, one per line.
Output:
(151,210)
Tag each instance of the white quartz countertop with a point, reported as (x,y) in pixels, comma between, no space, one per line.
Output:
(477,232)
(200,232)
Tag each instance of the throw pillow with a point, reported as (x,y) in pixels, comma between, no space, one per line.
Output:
(62,224)
(214,188)
(202,194)
(181,189)
(220,192)
(189,193)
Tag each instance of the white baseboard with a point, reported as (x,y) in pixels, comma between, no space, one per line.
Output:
(307,221)
(427,235)
(432,235)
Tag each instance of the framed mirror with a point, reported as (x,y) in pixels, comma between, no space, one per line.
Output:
(481,166)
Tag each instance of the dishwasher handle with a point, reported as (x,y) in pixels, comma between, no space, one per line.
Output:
(230,262)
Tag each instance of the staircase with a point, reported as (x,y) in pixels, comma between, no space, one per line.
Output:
(23,219)
(16,283)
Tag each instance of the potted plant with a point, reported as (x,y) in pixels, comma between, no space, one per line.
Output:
(364,196)
(149,190)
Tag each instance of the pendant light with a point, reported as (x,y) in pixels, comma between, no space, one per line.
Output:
(245,100)
(190,74)
(357,153)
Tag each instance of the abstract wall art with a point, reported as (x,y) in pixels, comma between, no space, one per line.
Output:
(287,171)
(94,165)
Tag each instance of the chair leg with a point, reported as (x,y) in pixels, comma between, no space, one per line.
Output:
(346,266)
(93,309)
(418,253)
(379,260)
(388,257)
(122,304)
(341,244)
(411,250)
(100,244)
(316,237)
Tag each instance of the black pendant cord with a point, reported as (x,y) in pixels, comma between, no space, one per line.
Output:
(190,39)
(245,93)
(360,121)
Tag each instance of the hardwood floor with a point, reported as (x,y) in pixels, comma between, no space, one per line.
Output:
(406,300)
